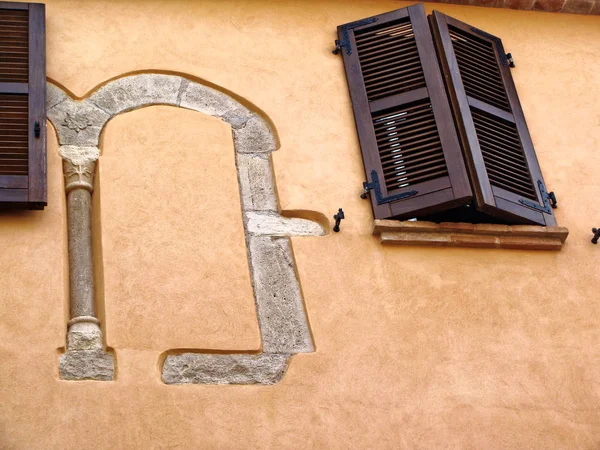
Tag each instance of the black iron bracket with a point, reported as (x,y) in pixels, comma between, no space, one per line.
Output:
(36,129)
(596,232)
(549,200)
(375,187)
(345,42)
(338,218)
(511,61)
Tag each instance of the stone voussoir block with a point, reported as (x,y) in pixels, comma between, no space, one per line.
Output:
(199,368)
(281,315)
(78,123)
(136,91)
(214,103)
(255,136)
(95,364)
(54,95)
(257,183)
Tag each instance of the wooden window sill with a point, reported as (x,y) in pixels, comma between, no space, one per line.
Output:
(450,234)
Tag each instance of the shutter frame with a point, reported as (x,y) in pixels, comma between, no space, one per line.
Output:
(30,191)
(493,200)
(436,194)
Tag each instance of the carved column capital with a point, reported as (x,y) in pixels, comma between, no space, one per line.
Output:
(79,176)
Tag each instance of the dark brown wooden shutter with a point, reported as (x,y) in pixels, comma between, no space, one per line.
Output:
(22,105)
(410,147)
(506,176)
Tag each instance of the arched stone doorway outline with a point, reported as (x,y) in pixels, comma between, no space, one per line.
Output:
(280,308)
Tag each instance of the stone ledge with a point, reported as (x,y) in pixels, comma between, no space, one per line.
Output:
(199,368)
(447,234)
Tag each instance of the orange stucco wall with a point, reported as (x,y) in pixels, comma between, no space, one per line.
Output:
(415,347)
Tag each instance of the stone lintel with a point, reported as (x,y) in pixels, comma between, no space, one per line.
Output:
(208,368)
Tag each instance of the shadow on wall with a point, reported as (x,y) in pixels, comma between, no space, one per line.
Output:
(283,322)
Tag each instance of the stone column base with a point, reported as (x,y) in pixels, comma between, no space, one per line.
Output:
(86,358)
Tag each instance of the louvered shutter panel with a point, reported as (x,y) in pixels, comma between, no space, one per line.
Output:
(22,105)
(410,148)
(507,180)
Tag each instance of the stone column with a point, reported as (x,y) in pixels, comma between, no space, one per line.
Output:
(85,357)
(84,329)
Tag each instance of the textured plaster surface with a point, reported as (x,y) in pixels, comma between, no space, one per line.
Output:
(416,348)
(184,258)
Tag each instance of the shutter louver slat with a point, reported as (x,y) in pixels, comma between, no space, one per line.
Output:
(476,61)
(14,148)
(403,117)
(504,169)
(402,136)
(14,46)
(22,104)
(396,42)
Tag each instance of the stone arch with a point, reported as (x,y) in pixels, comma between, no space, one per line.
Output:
(280,308)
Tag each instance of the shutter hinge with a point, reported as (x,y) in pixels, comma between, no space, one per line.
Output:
(345,42)
(596,232)
(374,186)
(511,61)
(549,200)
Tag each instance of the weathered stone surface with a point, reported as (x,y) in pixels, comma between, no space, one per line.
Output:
(81,273)
(254,137)
(197,368)
(214,103)
(257,184)
(54,95)
(86,365)
(77,123)
(84,336)
(77,155)
(128,93)
(281,315)
(265,224)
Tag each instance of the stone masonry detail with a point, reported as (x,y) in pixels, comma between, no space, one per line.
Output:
(280,307)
